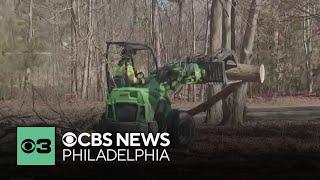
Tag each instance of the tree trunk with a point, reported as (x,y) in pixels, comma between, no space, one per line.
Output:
(207,39)
(206,45)
(156,33)
(74,49)
(307,35)
(194,86)
(240,95)
(227,40)
(226,24)
(87,62)
(27,72)
(233,25)
(30,21)
(214,114)
(179,39)
(248,40)
(215,37)
(276,56)
(134,20)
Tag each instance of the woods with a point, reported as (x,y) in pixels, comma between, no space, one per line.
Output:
(234,82)
(59,46)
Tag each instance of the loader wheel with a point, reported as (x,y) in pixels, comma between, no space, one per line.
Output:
(160,117)
(183,128)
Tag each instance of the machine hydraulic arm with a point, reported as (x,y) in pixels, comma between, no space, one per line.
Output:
(220,68)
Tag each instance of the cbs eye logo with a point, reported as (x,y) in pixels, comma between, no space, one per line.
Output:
(41,146)
(69,139)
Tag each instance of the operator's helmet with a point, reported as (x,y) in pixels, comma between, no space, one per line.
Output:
(125,53)
(128,52)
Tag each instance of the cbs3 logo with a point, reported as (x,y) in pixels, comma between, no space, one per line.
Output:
(41,146)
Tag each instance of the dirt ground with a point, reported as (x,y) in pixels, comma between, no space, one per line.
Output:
(282,125)
(252,102)
(280,137)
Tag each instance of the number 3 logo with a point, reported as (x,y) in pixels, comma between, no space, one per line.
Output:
(43,146)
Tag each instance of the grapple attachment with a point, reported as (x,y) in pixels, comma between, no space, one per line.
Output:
(198,69)
(215,67)
(214,71)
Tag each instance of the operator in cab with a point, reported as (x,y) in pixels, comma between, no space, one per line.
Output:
(124,74)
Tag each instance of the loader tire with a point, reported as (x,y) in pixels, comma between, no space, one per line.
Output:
(160,117)
(183,128)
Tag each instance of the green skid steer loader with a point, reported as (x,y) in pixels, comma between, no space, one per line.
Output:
(137,98)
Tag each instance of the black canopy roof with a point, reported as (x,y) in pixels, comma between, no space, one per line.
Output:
(132,46)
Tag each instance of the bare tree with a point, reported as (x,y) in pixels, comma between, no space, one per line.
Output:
(30,36)
(307,35)
(156,32)
(227,44)
(214,114)
(74,48)
(30,21)
(193,19)
(87,62)
(57,30)
(226,24)
(233,25)
(179,39)
(240,95)
(208,17)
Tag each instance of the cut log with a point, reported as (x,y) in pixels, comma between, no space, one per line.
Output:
(247,73)
(213,99)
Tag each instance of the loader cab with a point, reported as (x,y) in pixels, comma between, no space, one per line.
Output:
(135,61)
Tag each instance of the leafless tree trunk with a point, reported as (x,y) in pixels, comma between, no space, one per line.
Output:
(87,62)
(156,32)
(134,19)
(215,37)
(193,28)
(240,95)
(27,73)
(276,44)
(208,17)
(206,45)
(248,40)
(194,87)
(179,39)
(30,21)
(233,25)
(214,115)
(227,103)
(226,24)
(307,35)
(74,48)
